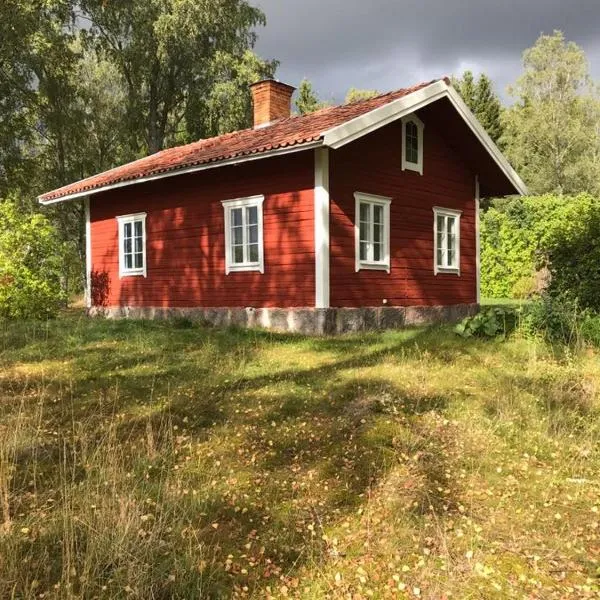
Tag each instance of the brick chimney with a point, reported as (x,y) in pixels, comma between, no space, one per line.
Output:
(272,101)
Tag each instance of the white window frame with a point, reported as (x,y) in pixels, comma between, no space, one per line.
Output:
(385,202)
(446,212)
(228,206)
(406,165)
(122,220)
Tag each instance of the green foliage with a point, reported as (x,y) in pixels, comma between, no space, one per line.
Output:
(489,322)
(31,265)
(307,100)
(551,133)
(528,243)
(481,98)
(356,94)
(177,57)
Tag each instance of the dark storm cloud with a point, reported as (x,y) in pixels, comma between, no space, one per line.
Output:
(385,44)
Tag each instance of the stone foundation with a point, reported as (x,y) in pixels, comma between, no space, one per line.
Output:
(308,321)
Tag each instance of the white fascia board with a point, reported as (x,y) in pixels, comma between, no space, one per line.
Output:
(341,135)
(184,171)
(486,141)
(388,113)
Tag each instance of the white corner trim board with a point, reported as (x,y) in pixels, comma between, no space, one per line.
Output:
(88,254)
(477,240)
(322,282)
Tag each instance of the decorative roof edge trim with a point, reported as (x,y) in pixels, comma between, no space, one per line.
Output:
(384,115)
(339,136)
(182,171)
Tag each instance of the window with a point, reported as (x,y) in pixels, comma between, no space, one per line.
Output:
(446,240)
(412,144)
(372,231)
(244,234)
(132,245)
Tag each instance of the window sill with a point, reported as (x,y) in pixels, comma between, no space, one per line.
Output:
(245,268)
(140,273)
(412,167)
(447,271)
(362,266)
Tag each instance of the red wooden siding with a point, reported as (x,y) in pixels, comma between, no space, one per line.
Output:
(185,237)
(373,165)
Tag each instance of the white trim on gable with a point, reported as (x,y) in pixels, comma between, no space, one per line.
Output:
(348,132)
(322,207)
(339,136)
(406,164)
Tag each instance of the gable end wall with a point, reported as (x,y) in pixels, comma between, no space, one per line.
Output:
(373,165)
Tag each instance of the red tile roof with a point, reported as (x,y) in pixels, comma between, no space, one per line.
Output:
(294,131)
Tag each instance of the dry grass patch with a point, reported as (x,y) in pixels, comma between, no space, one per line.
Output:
(152,460)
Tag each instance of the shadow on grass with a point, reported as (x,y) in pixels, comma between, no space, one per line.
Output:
(267,453)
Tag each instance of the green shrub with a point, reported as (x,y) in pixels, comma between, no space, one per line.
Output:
(489,322)
(521,236)
(31,260)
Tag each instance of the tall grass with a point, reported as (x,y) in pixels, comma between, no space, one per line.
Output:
(144,460)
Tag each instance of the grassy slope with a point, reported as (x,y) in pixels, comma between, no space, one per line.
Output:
(146,460)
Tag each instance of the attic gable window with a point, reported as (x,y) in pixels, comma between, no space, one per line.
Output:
(132,245)
(244,234)
(446,240)
(412,143)
(372,232)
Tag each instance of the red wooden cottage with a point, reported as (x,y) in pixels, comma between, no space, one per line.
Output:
(356,216)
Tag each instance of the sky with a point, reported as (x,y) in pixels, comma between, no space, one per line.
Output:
(390,44)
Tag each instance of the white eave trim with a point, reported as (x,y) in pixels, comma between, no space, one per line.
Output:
(339,136)
(184,171)
(348,132)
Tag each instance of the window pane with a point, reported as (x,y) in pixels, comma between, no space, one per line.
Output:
(138,228)
(127,230)
(364,212)
(127,246)
(364,231)
(378,234)
(253,253)
(139,261)
(377,252)
(377,214)
(129,261)
(440,257)
(411,142)
(253,234)
(451,257)
(252,215)
(138,244)
(237,236)
(238,254)
(236,217)
(364,250)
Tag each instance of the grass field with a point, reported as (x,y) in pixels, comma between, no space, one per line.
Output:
(165,460)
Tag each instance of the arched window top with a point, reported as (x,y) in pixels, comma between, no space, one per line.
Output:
(412,143)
